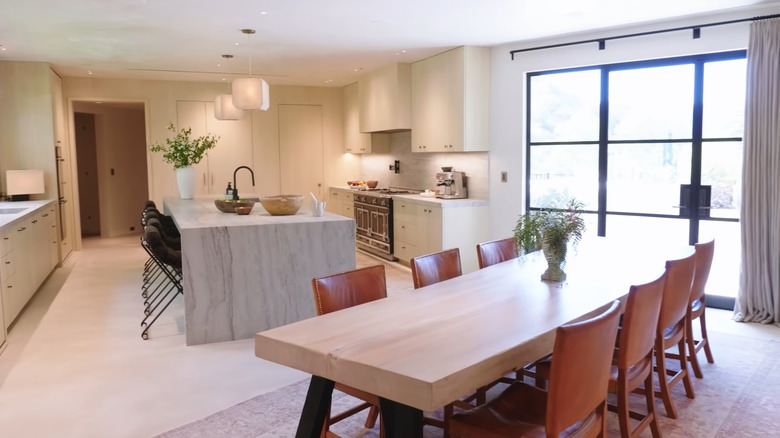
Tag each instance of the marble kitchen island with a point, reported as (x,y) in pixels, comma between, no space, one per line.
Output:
(246,274)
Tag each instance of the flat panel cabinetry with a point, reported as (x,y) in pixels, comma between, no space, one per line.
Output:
(29,253)
(385,99)
(341,201)
(423,228)
(233,149)
(451,101)
(356,142)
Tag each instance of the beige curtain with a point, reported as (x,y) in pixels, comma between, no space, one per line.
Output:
(759,285)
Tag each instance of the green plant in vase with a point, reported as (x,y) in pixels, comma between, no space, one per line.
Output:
(551,230)
(183,152)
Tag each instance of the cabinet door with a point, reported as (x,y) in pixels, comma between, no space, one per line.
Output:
(301,149)
(233,149)
(430,103)
(429,229)
(355,142)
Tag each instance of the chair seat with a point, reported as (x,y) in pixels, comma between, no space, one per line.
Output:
(636,373)
(519,412)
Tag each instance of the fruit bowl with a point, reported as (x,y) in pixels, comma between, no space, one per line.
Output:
(282,205)
(229,205)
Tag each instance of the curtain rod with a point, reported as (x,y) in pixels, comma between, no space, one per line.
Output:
(602,41)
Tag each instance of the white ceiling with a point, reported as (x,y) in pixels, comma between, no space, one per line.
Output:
(298,42)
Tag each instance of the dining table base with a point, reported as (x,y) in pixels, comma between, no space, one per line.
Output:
(399,420)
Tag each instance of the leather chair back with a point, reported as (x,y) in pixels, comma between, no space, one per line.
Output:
(637,334)
(677,292)
(347,289)
(704,253)
(579,373)
(433,268)
(496,251)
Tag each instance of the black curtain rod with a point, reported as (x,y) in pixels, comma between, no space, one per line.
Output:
(602,41)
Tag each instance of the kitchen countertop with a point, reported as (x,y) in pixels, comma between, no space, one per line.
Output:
(26,206)
(438,202)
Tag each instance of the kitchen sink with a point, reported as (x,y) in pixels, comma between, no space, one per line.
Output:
(11,210)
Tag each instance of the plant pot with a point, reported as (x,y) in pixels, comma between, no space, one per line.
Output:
(185,179)
(555,260)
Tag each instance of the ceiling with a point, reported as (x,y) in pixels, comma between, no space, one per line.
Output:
(297,42)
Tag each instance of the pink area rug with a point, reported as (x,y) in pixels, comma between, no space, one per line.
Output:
(738,397)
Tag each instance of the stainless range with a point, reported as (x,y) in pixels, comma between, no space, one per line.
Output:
(374,221)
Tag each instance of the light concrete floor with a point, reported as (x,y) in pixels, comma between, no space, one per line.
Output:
(76,366)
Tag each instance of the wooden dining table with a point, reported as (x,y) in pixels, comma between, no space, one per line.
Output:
(423,349)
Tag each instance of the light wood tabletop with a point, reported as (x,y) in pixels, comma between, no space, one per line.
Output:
(428,347)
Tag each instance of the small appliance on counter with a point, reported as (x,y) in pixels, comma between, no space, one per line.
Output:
(454,183)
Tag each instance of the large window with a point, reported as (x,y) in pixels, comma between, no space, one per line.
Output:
(652,148)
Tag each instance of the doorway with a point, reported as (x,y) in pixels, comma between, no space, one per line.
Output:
(111,151)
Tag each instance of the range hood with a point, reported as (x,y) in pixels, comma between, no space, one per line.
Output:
(385,97)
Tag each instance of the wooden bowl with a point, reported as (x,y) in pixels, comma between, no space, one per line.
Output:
(242,210)
(282,205)
(372,184)
(229,205)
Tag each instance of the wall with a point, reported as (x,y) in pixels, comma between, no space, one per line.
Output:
(160,98)
(507,150)
(418,170)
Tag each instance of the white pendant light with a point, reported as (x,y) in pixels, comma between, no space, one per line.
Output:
(223,104)
(250,93)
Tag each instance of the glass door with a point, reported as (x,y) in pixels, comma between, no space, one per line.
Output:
(653,149)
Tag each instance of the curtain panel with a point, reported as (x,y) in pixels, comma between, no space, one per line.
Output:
(758,299)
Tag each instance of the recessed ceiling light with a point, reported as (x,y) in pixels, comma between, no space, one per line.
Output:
(89,72)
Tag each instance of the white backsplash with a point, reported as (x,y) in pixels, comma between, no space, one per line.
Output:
(418,170)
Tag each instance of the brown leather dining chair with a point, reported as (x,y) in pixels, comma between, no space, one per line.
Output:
(496,251)
(671,330)
(696,309)
(340,291)
(435,267)
(575,404)
(632,364)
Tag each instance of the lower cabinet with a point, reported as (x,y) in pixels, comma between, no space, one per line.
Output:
(425,227)
(341,201)
(28,254)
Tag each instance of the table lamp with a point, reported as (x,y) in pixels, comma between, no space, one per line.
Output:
(22,183)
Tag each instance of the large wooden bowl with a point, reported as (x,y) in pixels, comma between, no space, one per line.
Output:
(281,205)
(229,206)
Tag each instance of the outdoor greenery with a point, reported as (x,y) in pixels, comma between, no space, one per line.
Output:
(181,150)
(553,227)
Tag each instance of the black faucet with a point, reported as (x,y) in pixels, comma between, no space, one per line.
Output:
(235,187)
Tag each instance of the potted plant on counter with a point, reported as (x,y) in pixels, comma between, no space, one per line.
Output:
(183,152)
(551,230)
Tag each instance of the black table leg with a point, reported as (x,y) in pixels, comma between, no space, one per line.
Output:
(401,421)
(315,408)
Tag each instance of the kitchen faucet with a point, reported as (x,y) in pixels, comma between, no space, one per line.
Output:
(235,187)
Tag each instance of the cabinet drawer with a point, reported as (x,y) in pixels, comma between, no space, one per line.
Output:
(404,231)
(7,241)
(404,251)
(7,265)
(404,211)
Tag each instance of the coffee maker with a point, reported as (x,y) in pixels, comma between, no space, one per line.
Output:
(454,184)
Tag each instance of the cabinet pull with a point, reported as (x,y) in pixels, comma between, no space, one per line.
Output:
(7,263)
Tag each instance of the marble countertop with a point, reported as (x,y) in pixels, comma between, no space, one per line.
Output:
(11,212)
(202,213)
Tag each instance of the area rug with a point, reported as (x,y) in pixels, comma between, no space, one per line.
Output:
(738,397)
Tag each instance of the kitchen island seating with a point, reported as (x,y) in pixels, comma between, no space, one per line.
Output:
(340,291)
(496,251)
(575,404)
(435,267)
(671,330)
(167,277)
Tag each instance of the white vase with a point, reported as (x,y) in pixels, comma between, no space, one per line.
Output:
(185,179)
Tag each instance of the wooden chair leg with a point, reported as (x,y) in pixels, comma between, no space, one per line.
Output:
(622,409)
(689,339)
(373,414)
(705,339)
(686,376)
(650,400)
(663,383)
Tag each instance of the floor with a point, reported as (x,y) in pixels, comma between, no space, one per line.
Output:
(76,366)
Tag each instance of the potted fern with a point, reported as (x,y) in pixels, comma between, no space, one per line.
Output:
(551,230)
(184,152)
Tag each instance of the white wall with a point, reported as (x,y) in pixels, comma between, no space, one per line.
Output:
(507,150)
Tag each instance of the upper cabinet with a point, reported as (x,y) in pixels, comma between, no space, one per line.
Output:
(385,99)
(451,101)
(356,142)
